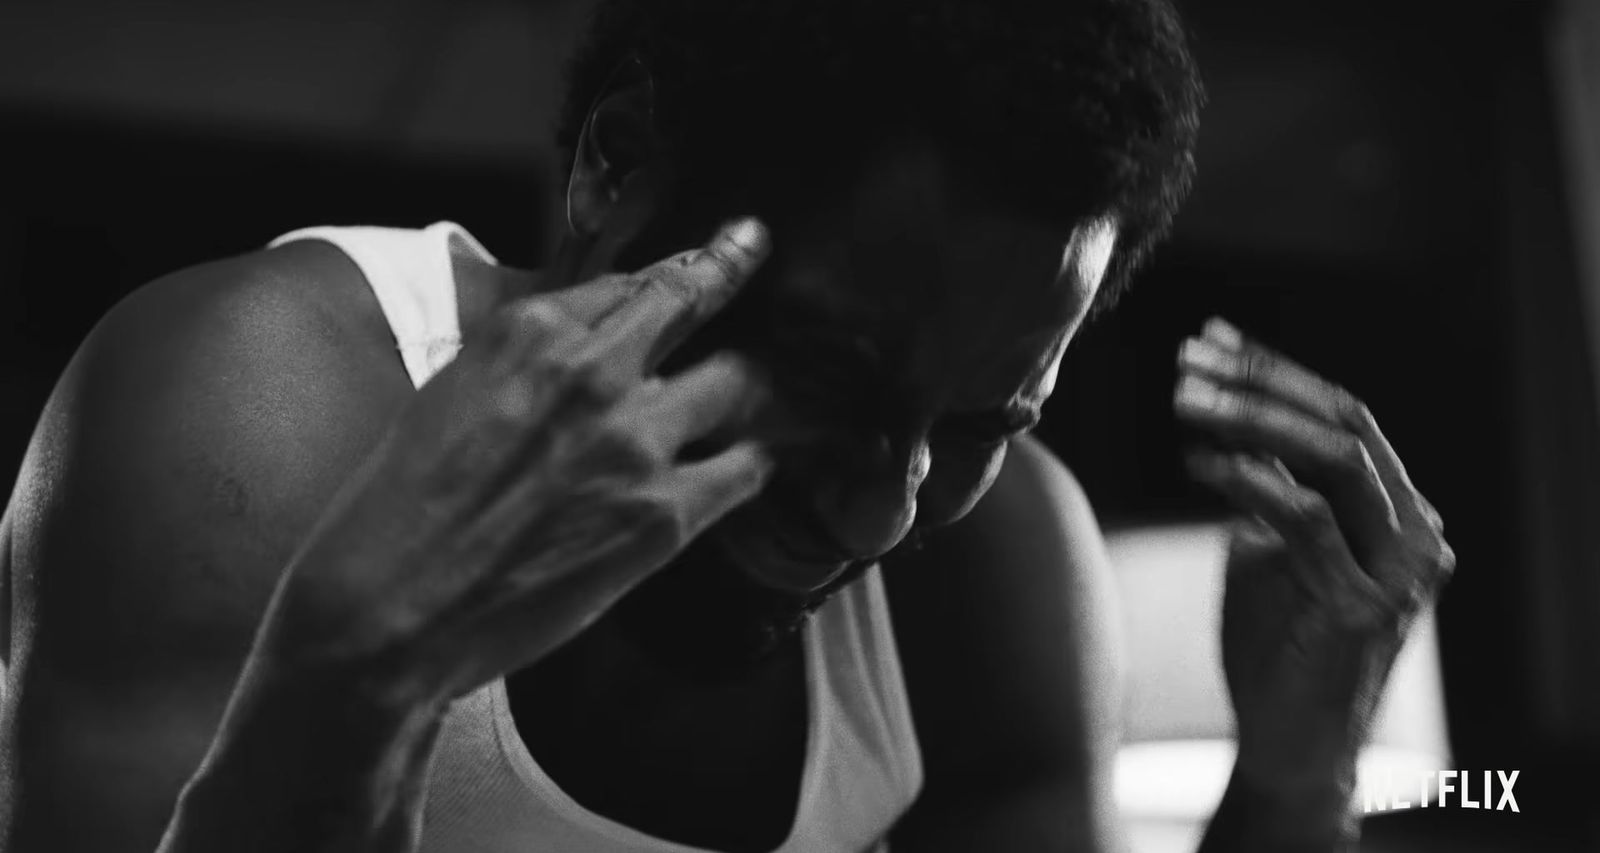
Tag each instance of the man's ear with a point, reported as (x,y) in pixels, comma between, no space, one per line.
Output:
(618,141)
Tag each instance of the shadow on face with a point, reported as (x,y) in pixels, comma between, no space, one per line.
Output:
(910,328)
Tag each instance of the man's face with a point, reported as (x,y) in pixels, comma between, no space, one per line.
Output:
(909,333)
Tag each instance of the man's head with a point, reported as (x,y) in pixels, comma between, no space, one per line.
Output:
(952,185)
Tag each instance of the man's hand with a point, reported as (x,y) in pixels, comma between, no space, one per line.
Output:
(528,486)
(1340,554)
(522,492)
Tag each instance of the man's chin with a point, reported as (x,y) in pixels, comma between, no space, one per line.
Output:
(764,559)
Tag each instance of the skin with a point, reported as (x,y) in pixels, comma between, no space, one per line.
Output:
(248,580)
(958,361)
(963,369)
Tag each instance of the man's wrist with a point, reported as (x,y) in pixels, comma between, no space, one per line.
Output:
(307,762)
(1308,747)
(1304,812)
(325,717)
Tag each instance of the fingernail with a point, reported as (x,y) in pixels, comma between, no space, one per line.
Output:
(1224,333)
(1196,393)
(748,234)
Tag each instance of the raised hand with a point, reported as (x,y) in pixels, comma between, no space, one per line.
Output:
(529,485)
(1340,552)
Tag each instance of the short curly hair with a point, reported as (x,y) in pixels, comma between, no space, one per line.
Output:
(1070,108)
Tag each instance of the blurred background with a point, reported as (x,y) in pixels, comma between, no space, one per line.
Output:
(1404,196)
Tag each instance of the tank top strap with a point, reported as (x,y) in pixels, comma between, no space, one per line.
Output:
(411,273)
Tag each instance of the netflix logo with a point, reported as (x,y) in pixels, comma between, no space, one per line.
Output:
(1465,789)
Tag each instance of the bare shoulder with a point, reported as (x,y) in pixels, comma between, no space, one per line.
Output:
(1035,525)
(202,412)
(187,448)
(1008,640)
(1037,495)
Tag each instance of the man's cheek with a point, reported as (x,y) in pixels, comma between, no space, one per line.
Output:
(957,481)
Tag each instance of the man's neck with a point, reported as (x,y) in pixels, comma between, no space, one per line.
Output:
(483,287)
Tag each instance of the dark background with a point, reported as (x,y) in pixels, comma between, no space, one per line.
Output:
(1382,194)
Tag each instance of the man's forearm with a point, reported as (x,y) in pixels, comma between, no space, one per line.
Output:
(307,767)
(1261,818)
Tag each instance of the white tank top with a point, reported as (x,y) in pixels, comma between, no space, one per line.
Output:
(487,794)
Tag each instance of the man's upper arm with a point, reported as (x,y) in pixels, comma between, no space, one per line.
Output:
(186,449)
(1007,634)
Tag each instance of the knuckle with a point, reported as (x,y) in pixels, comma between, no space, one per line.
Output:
(537,319)
(1354,412)
(513,399)
(1244,407)
(1431,513)
(1442,565)
(1312,513)
(1250,366)
(740,379)
(655,523)
(617,448)
(580,379)
(1433,561)
(527,329)
(584,374)
(1351,454)
(560,370)
(727,268)
(674,285)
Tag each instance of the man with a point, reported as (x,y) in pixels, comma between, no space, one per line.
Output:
(277,589)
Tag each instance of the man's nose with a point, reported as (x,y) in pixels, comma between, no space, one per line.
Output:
(871,501)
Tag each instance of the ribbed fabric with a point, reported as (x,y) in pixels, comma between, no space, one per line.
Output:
(488,795)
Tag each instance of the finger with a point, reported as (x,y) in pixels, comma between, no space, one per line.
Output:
(549,345)
(1257,368)
(1277,465)
(717,395)
(591,302)
(1254,547)
(530,346)
(1254,533)
(532,394)
(676,295)
(1226,355)
(522,328)
(1305,521)
(1315,451)
(706,491)
(563,584)
(1431,514)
